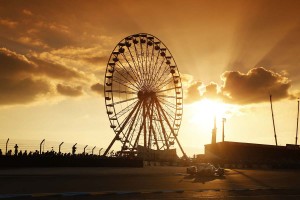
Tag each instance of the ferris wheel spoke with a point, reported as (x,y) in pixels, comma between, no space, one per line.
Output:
(165,83)
(132,70)
(162,77)
(125,121)
(168,106)
(129,130)
(166,96)
(125,110)
(124,83)
(171,103)
(135,65)
(123,91)
(124,101)
(138,121)
(154,65)
(149,58)
(121,65)
(165,90)
(139,61)
(159,69)
(126,78)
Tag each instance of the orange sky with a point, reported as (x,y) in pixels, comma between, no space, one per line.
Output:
(236,52)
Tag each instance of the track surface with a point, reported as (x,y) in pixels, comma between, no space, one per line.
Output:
(147,183)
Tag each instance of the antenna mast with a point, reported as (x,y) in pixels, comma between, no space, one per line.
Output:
(273,120)
(297,123)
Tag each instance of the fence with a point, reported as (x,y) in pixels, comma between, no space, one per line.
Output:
(46,146)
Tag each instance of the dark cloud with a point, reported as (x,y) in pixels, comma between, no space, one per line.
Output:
(55,70)
(98,88)
(254,86)
(96,60)
(69,90)
(21,91)
(13,64)
(193,93)
(211,91)
(21,78)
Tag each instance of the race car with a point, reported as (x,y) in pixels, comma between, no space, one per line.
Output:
(205,169)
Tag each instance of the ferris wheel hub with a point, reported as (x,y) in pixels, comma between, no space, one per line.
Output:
(146,95)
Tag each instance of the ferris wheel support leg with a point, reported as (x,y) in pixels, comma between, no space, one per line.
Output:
(110,145)
(121,129)
(172,130)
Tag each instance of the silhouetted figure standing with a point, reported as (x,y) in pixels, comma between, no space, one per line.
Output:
(74,150)
(0,152)
(16,149)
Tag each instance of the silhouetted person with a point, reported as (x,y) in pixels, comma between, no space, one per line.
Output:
(9,152)
(16,149)
(0,152)
(74,150)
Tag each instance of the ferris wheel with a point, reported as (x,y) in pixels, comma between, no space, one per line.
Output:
(143,94)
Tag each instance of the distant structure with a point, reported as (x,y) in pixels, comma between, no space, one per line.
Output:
(247,153)
(223,129)
(273,120)
(297,123)
(214,132)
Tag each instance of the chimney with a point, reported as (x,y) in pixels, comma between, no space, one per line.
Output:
(214,132)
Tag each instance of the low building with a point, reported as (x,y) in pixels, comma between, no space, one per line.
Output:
(237,152)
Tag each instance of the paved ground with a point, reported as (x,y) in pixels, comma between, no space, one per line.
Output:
(147,183)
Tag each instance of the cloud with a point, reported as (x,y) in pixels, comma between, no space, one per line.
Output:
(8,23)
(27,12)
(243,88)
(69,90)
(193,93)
(254,86)
(13,64)
(14,91)
(26,79)
(98,88)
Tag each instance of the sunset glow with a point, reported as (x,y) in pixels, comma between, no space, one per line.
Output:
(230,56)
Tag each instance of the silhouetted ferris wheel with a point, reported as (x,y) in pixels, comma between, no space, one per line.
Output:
(143,94)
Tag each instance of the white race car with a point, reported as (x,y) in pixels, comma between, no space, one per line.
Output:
(205,169)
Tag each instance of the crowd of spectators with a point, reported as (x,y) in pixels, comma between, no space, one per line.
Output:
(52,158)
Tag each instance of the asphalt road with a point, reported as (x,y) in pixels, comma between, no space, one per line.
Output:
(147,183)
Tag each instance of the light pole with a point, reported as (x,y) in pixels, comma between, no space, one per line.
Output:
(223,131)
(100,151)
(6,146)
(41,145)
(74,149)
(84,149)
(60,147)
(93,150)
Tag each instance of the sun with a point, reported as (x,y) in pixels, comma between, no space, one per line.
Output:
(208,109)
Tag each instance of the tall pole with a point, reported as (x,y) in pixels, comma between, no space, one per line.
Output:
(60,147)
(100,151)
(93,150)
(41,145)
(214,132)
(84,149)
(6,146)
(273,120)
(223,131)
(297,123)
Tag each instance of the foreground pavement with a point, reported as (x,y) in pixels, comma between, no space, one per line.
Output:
(146,183)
